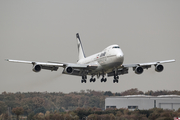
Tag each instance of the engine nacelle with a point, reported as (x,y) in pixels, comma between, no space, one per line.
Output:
(159,68)
(139,70)
(68,70)
(36,68)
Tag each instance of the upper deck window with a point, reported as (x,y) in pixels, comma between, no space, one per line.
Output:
(116,47)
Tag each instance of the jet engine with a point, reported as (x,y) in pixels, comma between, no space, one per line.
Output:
(69,70)
(139,70)
(37,68)
(159,68)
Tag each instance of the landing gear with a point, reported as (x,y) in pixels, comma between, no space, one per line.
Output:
(92,79)
(83,79)
(116,77)
(103,79)
(115,80)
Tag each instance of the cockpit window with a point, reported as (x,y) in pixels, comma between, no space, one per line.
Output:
(116,47)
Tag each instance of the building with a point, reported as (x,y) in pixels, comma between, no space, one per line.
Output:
(143,102)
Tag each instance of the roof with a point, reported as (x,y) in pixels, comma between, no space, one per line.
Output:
(138,96)
(146,96)
(168,96)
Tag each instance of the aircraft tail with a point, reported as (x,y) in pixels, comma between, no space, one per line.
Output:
(80,47)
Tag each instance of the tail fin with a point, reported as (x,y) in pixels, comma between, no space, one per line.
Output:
(80,47)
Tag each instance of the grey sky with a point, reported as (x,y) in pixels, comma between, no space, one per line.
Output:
(44,30)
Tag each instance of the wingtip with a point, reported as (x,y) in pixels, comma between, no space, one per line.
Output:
(6,59)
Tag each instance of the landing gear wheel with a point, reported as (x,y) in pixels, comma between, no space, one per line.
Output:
(105,79)
(115,81)
(84,79)
(94,79)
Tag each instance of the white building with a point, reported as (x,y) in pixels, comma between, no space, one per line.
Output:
(143,102)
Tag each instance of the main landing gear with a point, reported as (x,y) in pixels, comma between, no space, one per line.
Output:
(83,79)
(116,77)
(103,79)
(92,79)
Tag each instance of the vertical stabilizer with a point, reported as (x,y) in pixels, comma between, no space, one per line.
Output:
(80,47)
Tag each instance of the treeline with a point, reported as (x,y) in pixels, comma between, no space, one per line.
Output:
(99,114)
(41,102)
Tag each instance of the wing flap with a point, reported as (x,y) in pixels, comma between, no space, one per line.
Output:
(52,68)
(120,71)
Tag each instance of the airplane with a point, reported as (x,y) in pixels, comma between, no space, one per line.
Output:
(108,62)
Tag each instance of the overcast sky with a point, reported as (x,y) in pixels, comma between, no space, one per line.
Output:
(45,30)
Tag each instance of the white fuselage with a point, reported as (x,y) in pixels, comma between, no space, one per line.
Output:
(109,59)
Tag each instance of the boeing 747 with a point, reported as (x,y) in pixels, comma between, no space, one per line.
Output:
(108,62)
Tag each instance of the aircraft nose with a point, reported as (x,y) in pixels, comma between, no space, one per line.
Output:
(120,58)
(119,55)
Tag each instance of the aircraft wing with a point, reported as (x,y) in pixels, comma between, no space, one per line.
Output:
(138,67)
(147,64)
(53,66)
